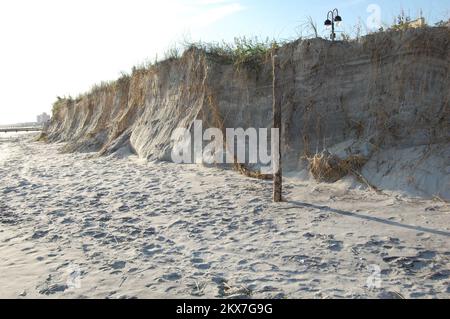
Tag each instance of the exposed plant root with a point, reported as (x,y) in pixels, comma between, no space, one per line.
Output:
(244,170)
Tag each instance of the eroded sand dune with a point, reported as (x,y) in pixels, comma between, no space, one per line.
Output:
(384,98)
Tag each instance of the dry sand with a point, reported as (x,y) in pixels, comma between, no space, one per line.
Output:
(79,226)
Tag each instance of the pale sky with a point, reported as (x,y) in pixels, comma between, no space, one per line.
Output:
(54,48)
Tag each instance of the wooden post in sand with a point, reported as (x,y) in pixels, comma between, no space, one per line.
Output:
(276,151)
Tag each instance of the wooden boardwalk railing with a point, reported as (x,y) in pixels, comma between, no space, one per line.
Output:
(20,129)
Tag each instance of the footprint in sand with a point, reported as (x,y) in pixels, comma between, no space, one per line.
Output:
(39,234)
(335,245)
(440,275)
(263,267)
(174,276)
(118,265)
(427,254)
(200,264)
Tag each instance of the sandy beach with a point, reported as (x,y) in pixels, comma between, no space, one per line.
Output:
(82,226)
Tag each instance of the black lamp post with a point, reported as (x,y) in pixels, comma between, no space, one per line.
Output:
(332,17)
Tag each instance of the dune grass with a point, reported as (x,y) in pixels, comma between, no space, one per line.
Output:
(243,51)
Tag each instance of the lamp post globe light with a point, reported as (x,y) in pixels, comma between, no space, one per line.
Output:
(332,18)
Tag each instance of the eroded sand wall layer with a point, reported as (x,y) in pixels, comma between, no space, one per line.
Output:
(384,97)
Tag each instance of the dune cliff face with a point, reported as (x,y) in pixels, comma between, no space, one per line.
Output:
(384,98)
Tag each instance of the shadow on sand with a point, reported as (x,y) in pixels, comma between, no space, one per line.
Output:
(371,218)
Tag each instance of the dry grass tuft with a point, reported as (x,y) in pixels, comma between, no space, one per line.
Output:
(329,168)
